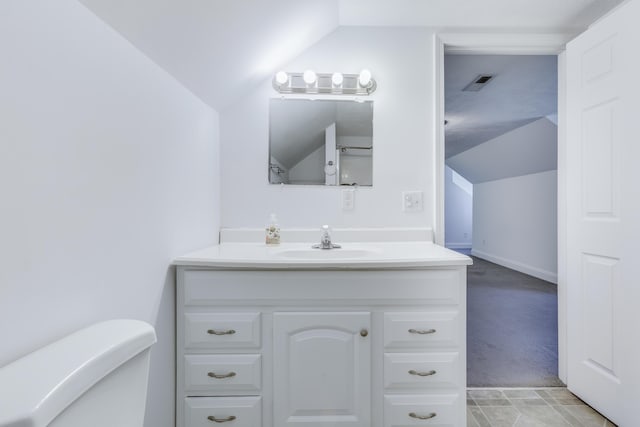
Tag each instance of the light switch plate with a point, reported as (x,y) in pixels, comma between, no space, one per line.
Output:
(348,199)
(412,201)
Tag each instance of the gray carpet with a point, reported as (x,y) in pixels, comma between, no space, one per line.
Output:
(512,335)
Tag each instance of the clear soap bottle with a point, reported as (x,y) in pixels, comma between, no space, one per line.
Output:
(273,231)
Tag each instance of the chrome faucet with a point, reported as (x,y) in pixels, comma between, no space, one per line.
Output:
(325,240)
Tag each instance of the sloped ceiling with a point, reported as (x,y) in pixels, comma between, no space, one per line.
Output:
(529,149)
(220,50)
(523,89)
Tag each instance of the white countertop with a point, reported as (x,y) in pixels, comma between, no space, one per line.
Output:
(368,255)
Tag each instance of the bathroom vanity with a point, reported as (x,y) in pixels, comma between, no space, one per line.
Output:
(371,334)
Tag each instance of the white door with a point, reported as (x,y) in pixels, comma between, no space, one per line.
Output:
(322,369)
(603,210)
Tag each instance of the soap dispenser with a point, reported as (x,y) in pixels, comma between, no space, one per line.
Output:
(273,231)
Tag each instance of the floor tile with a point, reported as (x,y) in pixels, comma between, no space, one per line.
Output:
(560,393)
(540,416)
(501,417)
(492,402)
(485,394)
(555,407)
(586,415)
(479,417)
(569,401)
(533,402)
(471,420)
(520,394)
(573,421)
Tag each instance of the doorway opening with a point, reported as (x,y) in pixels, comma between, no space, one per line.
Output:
(500,191)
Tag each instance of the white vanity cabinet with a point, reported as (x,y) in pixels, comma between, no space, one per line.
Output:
(321,347)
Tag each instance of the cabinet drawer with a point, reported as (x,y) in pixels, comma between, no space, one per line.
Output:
(442,410)
(221,330)
(222,373)
(421,330)
(231,411)
(421,370)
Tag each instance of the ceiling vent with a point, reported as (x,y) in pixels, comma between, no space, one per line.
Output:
(478,83)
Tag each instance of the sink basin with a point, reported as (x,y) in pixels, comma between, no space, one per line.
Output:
(319,254)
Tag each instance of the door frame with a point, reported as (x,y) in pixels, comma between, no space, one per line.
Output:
(507,44)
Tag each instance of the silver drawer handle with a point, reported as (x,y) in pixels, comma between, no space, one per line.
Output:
(422,417)
(422,374)
(422,331)
(221,420)
(227,332)
(220,376)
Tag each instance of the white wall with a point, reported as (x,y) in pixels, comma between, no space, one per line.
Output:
(403,137)
(108,170)
(458,213)
(515,223)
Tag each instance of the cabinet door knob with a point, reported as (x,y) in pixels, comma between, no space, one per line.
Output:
(422,417)
(220,376)
(221,420)
(364,332)
(422,331)
(215,332)
(422,374)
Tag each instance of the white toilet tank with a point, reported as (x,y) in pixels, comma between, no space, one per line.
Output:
(96,377)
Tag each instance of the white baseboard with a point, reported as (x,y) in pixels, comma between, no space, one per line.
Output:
(457,245)
(518,266)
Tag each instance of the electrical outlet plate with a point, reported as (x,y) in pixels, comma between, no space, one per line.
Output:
(348,199)
(412,201)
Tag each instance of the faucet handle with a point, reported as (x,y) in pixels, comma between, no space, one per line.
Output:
(325,228)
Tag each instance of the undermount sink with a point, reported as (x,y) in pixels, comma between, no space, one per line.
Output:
(336,253)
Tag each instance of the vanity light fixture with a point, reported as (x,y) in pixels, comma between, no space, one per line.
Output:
(364,78)
(281,78)
(310,77)
(311,82)
(337,79)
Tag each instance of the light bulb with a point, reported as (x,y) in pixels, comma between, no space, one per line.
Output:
(364,78)
(309,77)
(337,79)
(281,77)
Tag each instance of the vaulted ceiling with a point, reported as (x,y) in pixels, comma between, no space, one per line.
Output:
(523,89)
(222,49)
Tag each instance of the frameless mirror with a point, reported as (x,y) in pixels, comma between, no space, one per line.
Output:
(321,142)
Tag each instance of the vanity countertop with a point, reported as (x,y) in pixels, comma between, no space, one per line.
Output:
(369,255)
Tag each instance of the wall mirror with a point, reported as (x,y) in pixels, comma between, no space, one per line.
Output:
(320,142)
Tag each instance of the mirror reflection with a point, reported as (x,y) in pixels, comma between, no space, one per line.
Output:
(320,142)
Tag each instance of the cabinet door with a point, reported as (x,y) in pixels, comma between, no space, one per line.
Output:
(322,369)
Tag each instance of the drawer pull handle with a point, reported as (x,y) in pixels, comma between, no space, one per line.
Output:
(364,333)
(422,417)
(221,420)
(227,332)
(220,376)
(422,331)
(422,374)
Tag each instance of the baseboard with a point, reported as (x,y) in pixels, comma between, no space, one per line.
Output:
(518,266)
(458,245)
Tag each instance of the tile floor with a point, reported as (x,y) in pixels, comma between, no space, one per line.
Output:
(535,407)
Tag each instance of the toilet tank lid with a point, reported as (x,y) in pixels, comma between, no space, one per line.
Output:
(39,386)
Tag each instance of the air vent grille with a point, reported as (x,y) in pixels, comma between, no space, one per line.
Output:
(478,83)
